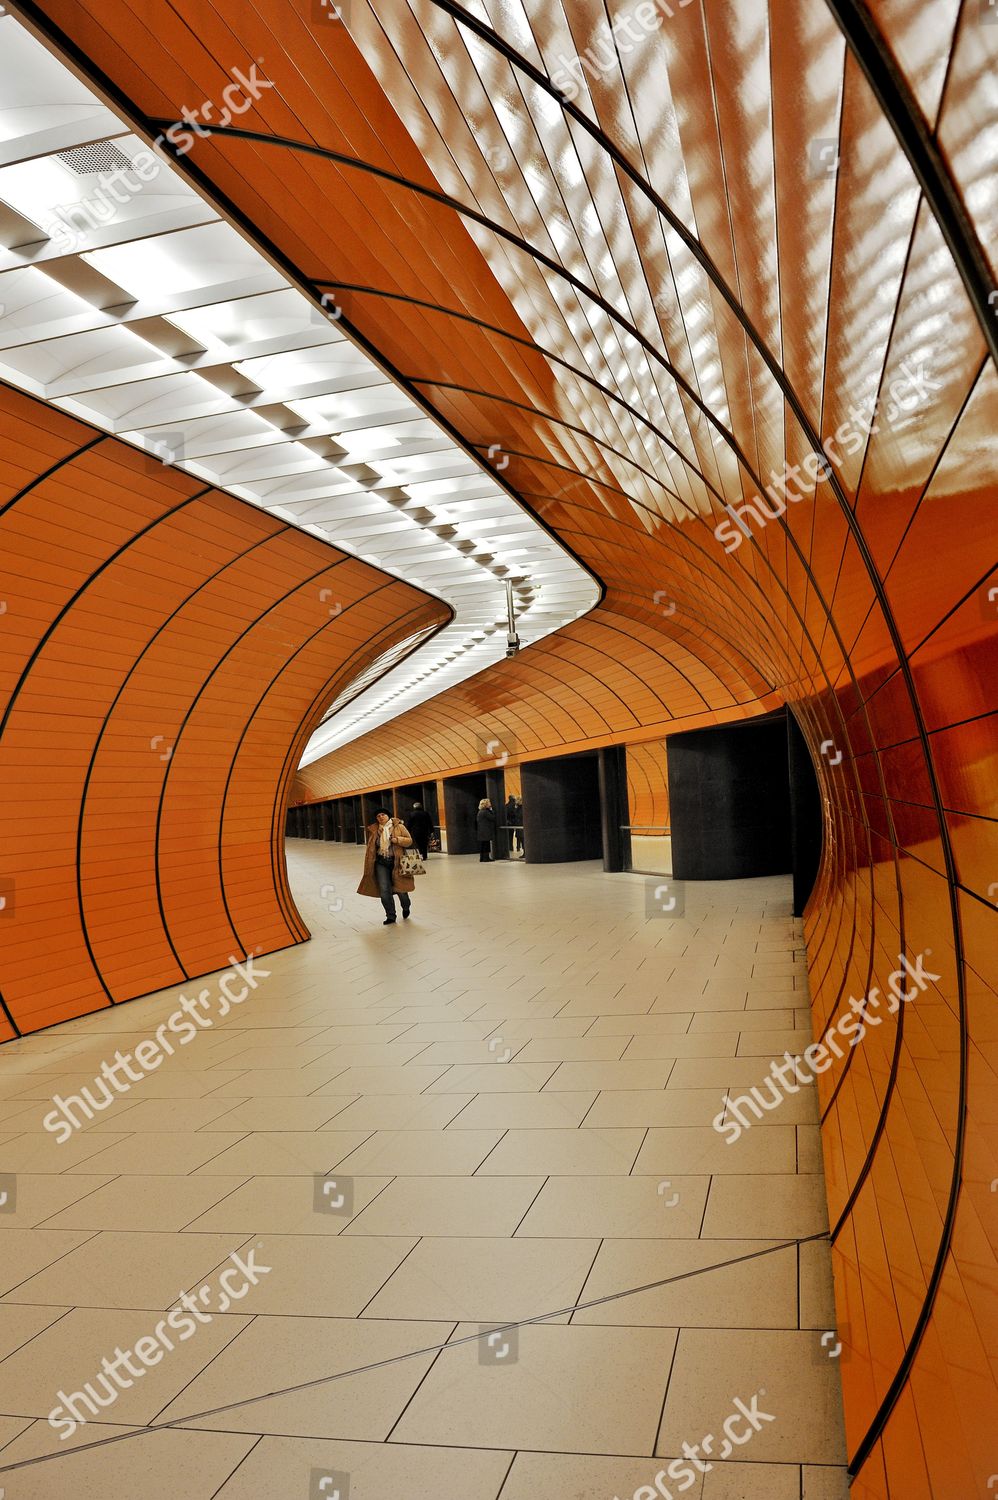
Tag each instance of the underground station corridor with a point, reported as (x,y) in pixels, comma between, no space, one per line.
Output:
(498,752)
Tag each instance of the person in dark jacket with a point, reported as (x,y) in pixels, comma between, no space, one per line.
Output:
(486,830)
(509,818)
(420,826)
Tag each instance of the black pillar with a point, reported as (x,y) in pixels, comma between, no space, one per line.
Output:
(561,809)
(806,822)
(730,800)
(613,808)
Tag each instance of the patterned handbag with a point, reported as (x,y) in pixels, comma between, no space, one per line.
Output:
(410,862)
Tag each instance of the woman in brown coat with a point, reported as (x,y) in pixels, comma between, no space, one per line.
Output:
(386,838)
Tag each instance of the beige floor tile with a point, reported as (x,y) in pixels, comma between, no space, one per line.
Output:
(809,1153)
(125,1270)
(641,1025)
(400,1078)
(275,1113)
(573,1049)
(772,1043)
(380,1054)
(553,1394)
(33,1153)
(167,1154)
(682,1148)
(166,1115)
(748,1481)
(428,1152)
(384,1031)
(170,1081)
(654,1107)
(475,1206)
(493,1078)
(290,1083)
(618,1207)
(495,1050)
(398,1112)
(68,1355)
(611,1075)
(686,998)
(589,1152)
(748,1021)
(485,1279)
(316,1354)
(26,1252)
(323,1276)
(736,1073)
(150,1203)
(18,1325)
(157,1466)
(528,1027)
(287,1205)
(784,1206)
(283,1153)
(714,1366)
(41,1195)
(703,1044)
(524,1111)
(757,1293)
(817,1298)
(825,1483)
(587,1476)
(375,1471)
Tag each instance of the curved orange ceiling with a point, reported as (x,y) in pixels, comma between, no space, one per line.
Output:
(637,375)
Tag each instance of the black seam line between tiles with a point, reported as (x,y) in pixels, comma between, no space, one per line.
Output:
(872,56)
(927,161)
(395,1359)
(67,458)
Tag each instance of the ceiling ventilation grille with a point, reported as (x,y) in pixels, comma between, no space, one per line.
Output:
(102,156)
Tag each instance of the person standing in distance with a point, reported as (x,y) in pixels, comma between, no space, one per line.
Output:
(420,826)
(486,830)
(383,877)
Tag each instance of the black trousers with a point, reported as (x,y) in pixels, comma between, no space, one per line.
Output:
(484,850)
(383,870)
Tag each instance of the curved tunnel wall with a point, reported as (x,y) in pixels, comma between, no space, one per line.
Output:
(867,605)
(166,650)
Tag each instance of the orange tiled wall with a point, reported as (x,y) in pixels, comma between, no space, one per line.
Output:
(165,651)
(865,606)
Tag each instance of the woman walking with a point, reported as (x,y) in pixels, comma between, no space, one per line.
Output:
(383,877)
(486,830)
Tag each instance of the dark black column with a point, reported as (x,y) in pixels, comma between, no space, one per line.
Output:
(462,795)
(561,809)
(730,800)
(613,808)
(806,822)
(495,790)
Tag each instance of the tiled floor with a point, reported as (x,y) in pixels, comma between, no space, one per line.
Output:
(499,1113)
